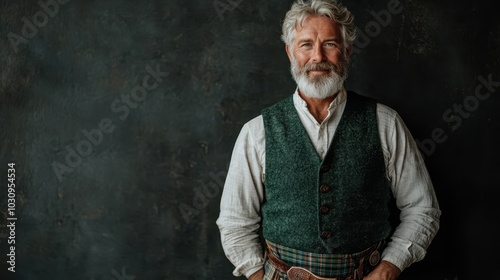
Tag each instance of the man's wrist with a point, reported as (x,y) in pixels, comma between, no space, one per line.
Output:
(392,270)
(257,275)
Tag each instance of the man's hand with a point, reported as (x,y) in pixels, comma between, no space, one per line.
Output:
(257,275)
(384,271)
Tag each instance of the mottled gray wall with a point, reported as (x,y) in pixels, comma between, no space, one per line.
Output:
(115,212)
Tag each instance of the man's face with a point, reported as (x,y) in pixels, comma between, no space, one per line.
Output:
(318,57)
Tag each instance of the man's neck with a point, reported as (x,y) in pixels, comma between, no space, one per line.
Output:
(318,107)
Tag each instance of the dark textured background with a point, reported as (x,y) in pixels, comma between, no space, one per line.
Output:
(118,212)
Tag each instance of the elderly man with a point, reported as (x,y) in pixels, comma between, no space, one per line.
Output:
(317,170)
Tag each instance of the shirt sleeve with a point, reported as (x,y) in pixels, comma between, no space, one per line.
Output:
(413,191)
(239,218)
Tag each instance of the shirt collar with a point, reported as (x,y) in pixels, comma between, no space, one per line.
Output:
(301,103)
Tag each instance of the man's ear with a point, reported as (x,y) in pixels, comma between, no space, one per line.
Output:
(288,52)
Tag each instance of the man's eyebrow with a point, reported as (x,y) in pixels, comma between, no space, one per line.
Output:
(304,40)
(334,39)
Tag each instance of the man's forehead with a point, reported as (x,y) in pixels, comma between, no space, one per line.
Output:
(317,25)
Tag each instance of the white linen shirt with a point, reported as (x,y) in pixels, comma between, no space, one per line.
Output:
(243,194)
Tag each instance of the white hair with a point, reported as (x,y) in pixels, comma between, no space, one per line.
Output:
(302,9)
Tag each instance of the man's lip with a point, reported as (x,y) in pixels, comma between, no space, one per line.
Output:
(321,71)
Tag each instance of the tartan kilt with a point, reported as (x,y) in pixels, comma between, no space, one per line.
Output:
(324,265)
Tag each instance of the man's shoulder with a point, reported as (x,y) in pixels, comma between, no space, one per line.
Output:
(256,122)
(254,126)
(253,131)
(385,110)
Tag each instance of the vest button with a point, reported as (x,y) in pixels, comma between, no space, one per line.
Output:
(324,209)
(324,168)
(324,188)
(326,234)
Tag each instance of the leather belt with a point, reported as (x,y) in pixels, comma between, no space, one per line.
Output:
(299,273)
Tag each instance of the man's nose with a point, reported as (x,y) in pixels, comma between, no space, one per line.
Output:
(318,55)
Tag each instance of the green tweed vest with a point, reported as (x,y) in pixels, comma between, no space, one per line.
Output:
(336,205)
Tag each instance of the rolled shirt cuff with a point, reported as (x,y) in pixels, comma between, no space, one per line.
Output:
(249,267)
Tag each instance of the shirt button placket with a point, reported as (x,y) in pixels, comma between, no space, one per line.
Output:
(325,209)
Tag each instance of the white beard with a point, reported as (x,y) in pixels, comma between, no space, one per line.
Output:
(321,87)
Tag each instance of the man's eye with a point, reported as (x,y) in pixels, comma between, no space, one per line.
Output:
(306,45)
(330,45)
